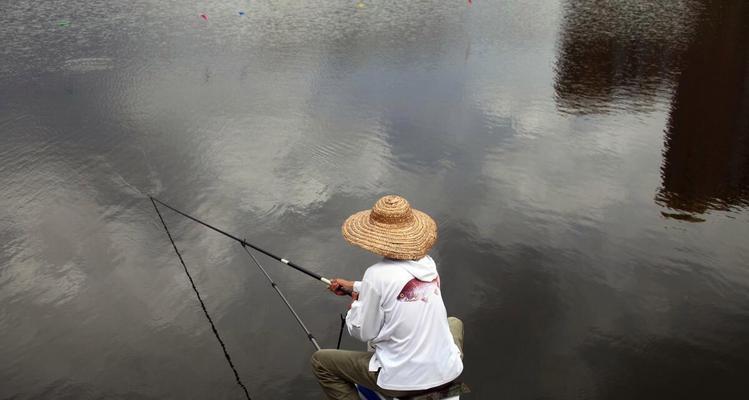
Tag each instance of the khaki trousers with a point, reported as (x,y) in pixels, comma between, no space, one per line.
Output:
(338,370)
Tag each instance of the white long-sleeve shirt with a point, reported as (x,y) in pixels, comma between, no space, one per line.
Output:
(401,313)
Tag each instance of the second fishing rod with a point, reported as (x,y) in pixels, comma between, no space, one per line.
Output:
(243,242)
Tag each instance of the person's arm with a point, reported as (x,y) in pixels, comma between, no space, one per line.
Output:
(365,317)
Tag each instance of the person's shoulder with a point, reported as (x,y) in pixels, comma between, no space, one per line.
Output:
(377,269)
(381,270)
(385,270)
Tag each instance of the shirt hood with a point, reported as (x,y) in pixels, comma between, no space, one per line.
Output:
(423,269)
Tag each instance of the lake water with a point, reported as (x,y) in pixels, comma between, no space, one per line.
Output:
(587,162)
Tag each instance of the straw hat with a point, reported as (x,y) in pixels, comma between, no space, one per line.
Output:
(392,229)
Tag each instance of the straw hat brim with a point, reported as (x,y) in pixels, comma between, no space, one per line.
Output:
(405,241)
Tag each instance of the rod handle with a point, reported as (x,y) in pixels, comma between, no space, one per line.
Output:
(326,281)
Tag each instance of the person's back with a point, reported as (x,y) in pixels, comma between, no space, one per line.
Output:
(397,307)
(414,346)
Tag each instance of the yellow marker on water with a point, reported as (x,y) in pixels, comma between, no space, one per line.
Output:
(360,5)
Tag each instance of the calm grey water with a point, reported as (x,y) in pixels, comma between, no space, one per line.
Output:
(587,162)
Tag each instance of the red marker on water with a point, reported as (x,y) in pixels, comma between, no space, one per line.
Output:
(205,17)
(470,2)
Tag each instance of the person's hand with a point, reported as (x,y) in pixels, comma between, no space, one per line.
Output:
(341,287)
(354,297)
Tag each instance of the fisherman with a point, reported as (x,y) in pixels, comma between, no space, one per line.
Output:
(397,307)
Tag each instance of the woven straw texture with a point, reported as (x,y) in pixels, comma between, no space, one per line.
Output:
(392,229)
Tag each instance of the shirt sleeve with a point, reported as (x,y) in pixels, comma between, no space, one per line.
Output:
(365,317)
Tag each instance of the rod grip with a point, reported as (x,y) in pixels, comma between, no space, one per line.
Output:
(348,292)
(344,290)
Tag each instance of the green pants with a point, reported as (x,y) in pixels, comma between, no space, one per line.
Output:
(338,370)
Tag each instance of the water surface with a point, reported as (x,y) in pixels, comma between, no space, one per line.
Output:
(587,162)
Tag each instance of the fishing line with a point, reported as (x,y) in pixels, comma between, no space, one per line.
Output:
(202,305)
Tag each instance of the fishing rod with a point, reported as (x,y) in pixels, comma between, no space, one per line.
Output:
(278,290)
(245,243)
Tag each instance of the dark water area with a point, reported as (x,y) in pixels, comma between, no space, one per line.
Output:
(587,162)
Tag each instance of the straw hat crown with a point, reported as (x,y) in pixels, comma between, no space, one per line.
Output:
(392,210)
(392,229)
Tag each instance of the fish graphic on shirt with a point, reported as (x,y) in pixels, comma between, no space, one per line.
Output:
(415,290)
